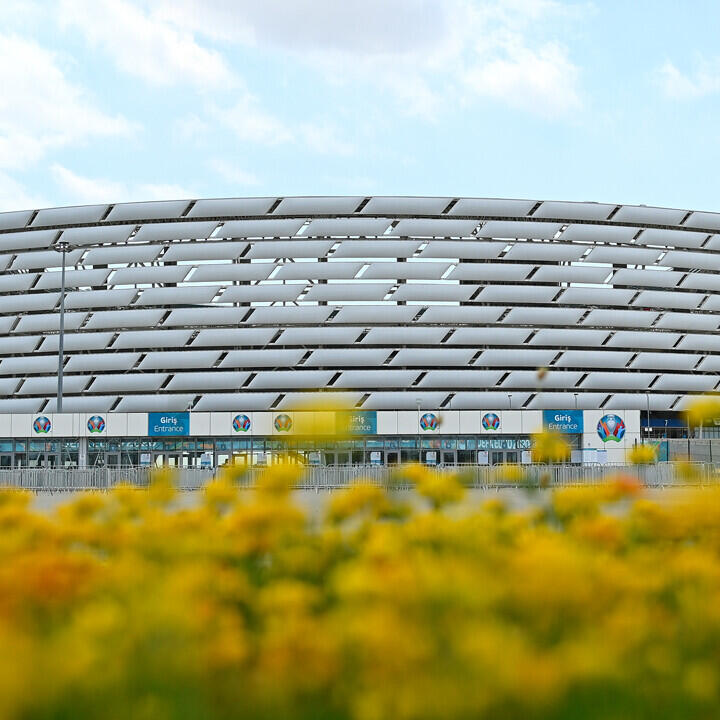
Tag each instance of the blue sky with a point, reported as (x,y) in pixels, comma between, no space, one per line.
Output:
(114,100)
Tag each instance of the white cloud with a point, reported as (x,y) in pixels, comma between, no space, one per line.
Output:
(542,81)
(424,54)
(40,109)
(146,44)
(679,86)
(232,173)
(79,189)
(14,195)
(250,123)
(324,139)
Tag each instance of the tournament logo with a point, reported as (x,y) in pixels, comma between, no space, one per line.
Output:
(429,421)
(611,427)
(241,423)
(96,424)
(283,423)
(491,421)
(42,425)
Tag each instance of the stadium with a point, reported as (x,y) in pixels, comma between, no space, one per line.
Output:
(452,328)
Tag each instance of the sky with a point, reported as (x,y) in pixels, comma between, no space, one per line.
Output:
(117,100)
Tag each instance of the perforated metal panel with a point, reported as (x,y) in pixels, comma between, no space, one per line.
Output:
(169,209)
(594,359)
(369,379)
(644,214)
(261,358)
(281,379)
(510,229)
(659,299)
(434,292)
(465,249)
(492,207)
(237,402)
(204,250)
(524,379)
(148,275)
(489,271)
(271,249)
(545,252)
(227,272)
(489,336)
(527,358)
(598,234)
(349,291)
(274,292)
(153,339)
(346,357)
(347,227)
(260,228)
(317,270)
(179,360)
(574,210)
(379,248)
(665,361)
(623,255)
(452,379)
(405,206)
(97,235)
(648,278)
(435,228)
(28,240)
(433,357)
(405,271)
(102,361)
(394,336)
(231,207)
(160,232)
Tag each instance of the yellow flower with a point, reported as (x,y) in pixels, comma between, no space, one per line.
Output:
(703,409)
(549,447)
(642,454)
(439,487)
(360,498)
(279,479)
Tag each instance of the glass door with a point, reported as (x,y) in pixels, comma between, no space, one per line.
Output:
(497,457)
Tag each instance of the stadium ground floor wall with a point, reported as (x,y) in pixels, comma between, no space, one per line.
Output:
(317,438)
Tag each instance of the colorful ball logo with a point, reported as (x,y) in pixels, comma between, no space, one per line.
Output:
(429,422)
(611,427)
(283,423)
(42,425)
(491,421)
(96,424)
(241,423)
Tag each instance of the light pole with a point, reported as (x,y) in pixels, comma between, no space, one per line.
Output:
(647,428)
(61,247)
(575,394)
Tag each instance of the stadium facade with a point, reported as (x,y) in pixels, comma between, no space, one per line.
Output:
(454,327)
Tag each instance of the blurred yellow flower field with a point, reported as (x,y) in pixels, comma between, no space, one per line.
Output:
(593,603)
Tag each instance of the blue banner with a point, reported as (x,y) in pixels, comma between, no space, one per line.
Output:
(363,422)
(168,424)
(563,421)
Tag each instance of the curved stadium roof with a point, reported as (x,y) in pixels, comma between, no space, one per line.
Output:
(258,303)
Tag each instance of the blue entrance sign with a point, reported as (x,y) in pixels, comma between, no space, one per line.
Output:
(563,421)
(168,424)
(363,422)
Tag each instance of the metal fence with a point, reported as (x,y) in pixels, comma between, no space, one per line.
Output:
(328,478)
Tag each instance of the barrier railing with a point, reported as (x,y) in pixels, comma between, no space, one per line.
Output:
(328,478)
